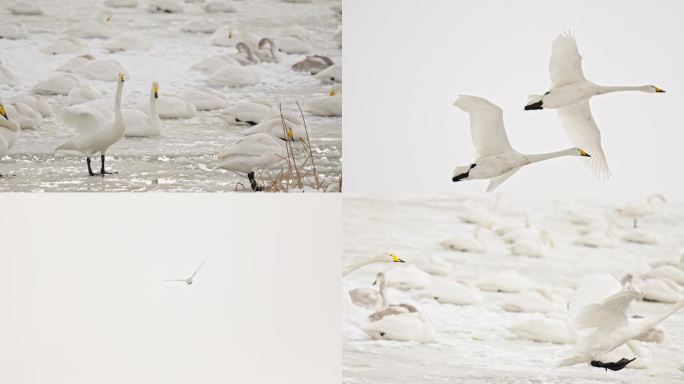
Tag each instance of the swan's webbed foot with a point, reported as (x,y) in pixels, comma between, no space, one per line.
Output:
(616,366)
(253,183)
(102,169)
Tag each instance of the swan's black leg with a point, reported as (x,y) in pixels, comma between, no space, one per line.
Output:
(90,170)
(253,183)
(534,106)
(616,366)
(102,169)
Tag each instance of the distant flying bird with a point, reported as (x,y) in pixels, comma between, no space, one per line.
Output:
(189,279)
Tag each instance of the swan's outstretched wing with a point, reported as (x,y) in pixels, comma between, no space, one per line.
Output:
(198,268)
(176,280)
(610,313)
(495,182)
(83,118)
(486,125)
(581,128)
(566,63)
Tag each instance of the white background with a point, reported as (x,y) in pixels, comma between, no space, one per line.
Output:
(407,61)
(83,299)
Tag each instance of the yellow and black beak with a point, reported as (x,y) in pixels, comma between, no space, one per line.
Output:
(122,77)
(658,90)
(396,259)
(582,153)
(156,91)
(2,112)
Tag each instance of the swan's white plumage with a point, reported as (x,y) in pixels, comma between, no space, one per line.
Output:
(205,99)
(13,30)
(253,152)
(233,75)
(65,45)
(7,77)
(127,42)
(274,126)
(105,69)
(24,115)
(37,102)
(83,94)
(57,85)
(486,126)
(582,130)
(565,66)
(75,63)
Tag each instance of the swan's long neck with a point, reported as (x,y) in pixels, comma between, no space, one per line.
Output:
(383,293)
(353,267)
(9,124)
(119,125)
(154,109)
(627,88)
(551,155)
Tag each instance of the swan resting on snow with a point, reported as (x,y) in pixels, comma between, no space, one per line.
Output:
(91,137)
(9,130)
(570,93)
(496,159)
(253,152)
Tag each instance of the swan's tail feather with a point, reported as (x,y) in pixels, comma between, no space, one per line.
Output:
(67,146)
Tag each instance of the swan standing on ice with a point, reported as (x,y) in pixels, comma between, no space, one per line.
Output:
(94,28)
(253,152)
(637,210)
(9,130)
(91,138)
(612,328)
(570,93)
(189,280)
(139,124)
(496,159)
(381,258)
(313,64)
(13,30)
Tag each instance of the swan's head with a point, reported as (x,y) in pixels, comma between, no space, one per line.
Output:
(379,279)
(581,152)
(653,88)
(2,112)
(394,259)
(462,172)
(155,89)
(266,41)
(122,77)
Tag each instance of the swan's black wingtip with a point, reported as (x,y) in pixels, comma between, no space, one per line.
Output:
(535,106)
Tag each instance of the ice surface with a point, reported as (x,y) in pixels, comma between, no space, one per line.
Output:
(183,158)
(473,345)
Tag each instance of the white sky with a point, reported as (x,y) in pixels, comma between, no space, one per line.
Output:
(83,299)
(407,61)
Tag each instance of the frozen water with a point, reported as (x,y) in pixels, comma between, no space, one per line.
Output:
(472,344)
(183,158)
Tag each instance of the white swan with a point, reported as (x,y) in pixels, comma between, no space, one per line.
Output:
(641,236)
(387,309)
(190,279)
(36,102)
(233,75)
(465,243)
(636,210)
(7,77)
(570,93)
(57,85)
(659,290)
(330,105)
(433,265)
(166,6)
(496,159)
(251,153)
(231,35)
(381,258)
(172,107)
(535,301)
(83,94)
(26,7)
(249,112)
(408,277)
(75,63)
(458,292)
(598,239)
(313,64)
(666,272)
(92,138)
(206,99)
(244,55)
(139,124)
(106,69)
(293,45)
(100,28)
(267,51)
(199,25)
(402,327)
(547,329)
(219,6)
(612,328)
(121,3)
(23,115)
(330,75)
(213,64)
(367,297)
(65,45)
(9,131)
(13,30)
(127,42)
(274,126)
(508,281)
(679,263)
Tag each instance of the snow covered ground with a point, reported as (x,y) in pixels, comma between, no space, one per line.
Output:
(472,342)
(183,158)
